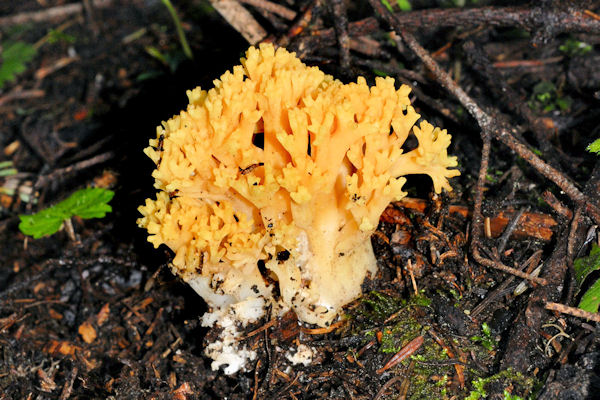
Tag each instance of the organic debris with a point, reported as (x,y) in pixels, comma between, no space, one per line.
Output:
(477,291)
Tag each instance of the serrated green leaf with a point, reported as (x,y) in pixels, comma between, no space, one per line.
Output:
(84,203)
(14,57)
(40,224)
(88,203)
(594,147)
(586,265)
(591,299)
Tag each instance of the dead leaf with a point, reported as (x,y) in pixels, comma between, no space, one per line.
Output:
(87,332)
(103,314)
(182,391)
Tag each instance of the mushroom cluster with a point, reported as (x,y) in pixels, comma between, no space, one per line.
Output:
(271,183)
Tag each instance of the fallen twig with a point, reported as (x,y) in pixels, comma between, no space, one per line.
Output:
(576,312)
(527,63)
(531,19)
(57,65)
(50,13)
(21,94)
(240,19)
(78,166)
(322,331)
(488,125)
(273,8)
(387,385)
(531,224)
(302,21)
(341,29)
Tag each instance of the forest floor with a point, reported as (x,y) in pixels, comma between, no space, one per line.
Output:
(477,290)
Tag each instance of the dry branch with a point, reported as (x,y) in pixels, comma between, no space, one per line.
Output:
(576,312)
(273,8)
(532,19)
(50,13)
(240,19)
(531,224)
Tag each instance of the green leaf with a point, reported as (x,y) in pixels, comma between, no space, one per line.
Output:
(88,203)
(591,299)
(40,224)
(573,48)
(594,147)
(387,5)
(380,72)
(404,5)
(84,203)
(564,103)
(14,57)
(485,328)
(55,36)
(586,265)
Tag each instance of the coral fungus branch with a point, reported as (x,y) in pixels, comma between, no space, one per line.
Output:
(271,184)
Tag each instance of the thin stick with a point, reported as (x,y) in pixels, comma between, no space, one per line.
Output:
(21,94)
(341,29)
(478,219)
(302,21)
(576,312)
(271,7)
(240,19)
(412,277)
(68,388)
(78,166)
(50,13)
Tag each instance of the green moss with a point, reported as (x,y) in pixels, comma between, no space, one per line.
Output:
(506,378)
(377,306)
(485,339)
(400,321)
(429,376)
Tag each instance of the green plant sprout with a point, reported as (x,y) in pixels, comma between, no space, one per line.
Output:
(594,147)
(584,266)
(84,203)
(546,97)
(14,56)
(486,338)
(507,376)
(403,5)
(56,36)
(573,48)
(179,28)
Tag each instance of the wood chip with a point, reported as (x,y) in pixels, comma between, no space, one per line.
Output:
(87,332)
(103,314)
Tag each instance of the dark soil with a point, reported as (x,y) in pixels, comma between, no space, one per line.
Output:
(96,313)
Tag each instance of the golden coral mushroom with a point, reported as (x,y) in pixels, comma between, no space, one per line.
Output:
(271,183)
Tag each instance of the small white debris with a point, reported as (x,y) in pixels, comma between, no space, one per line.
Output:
(228,350)
(303,355)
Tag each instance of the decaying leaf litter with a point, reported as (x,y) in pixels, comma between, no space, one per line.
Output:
(97,313)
